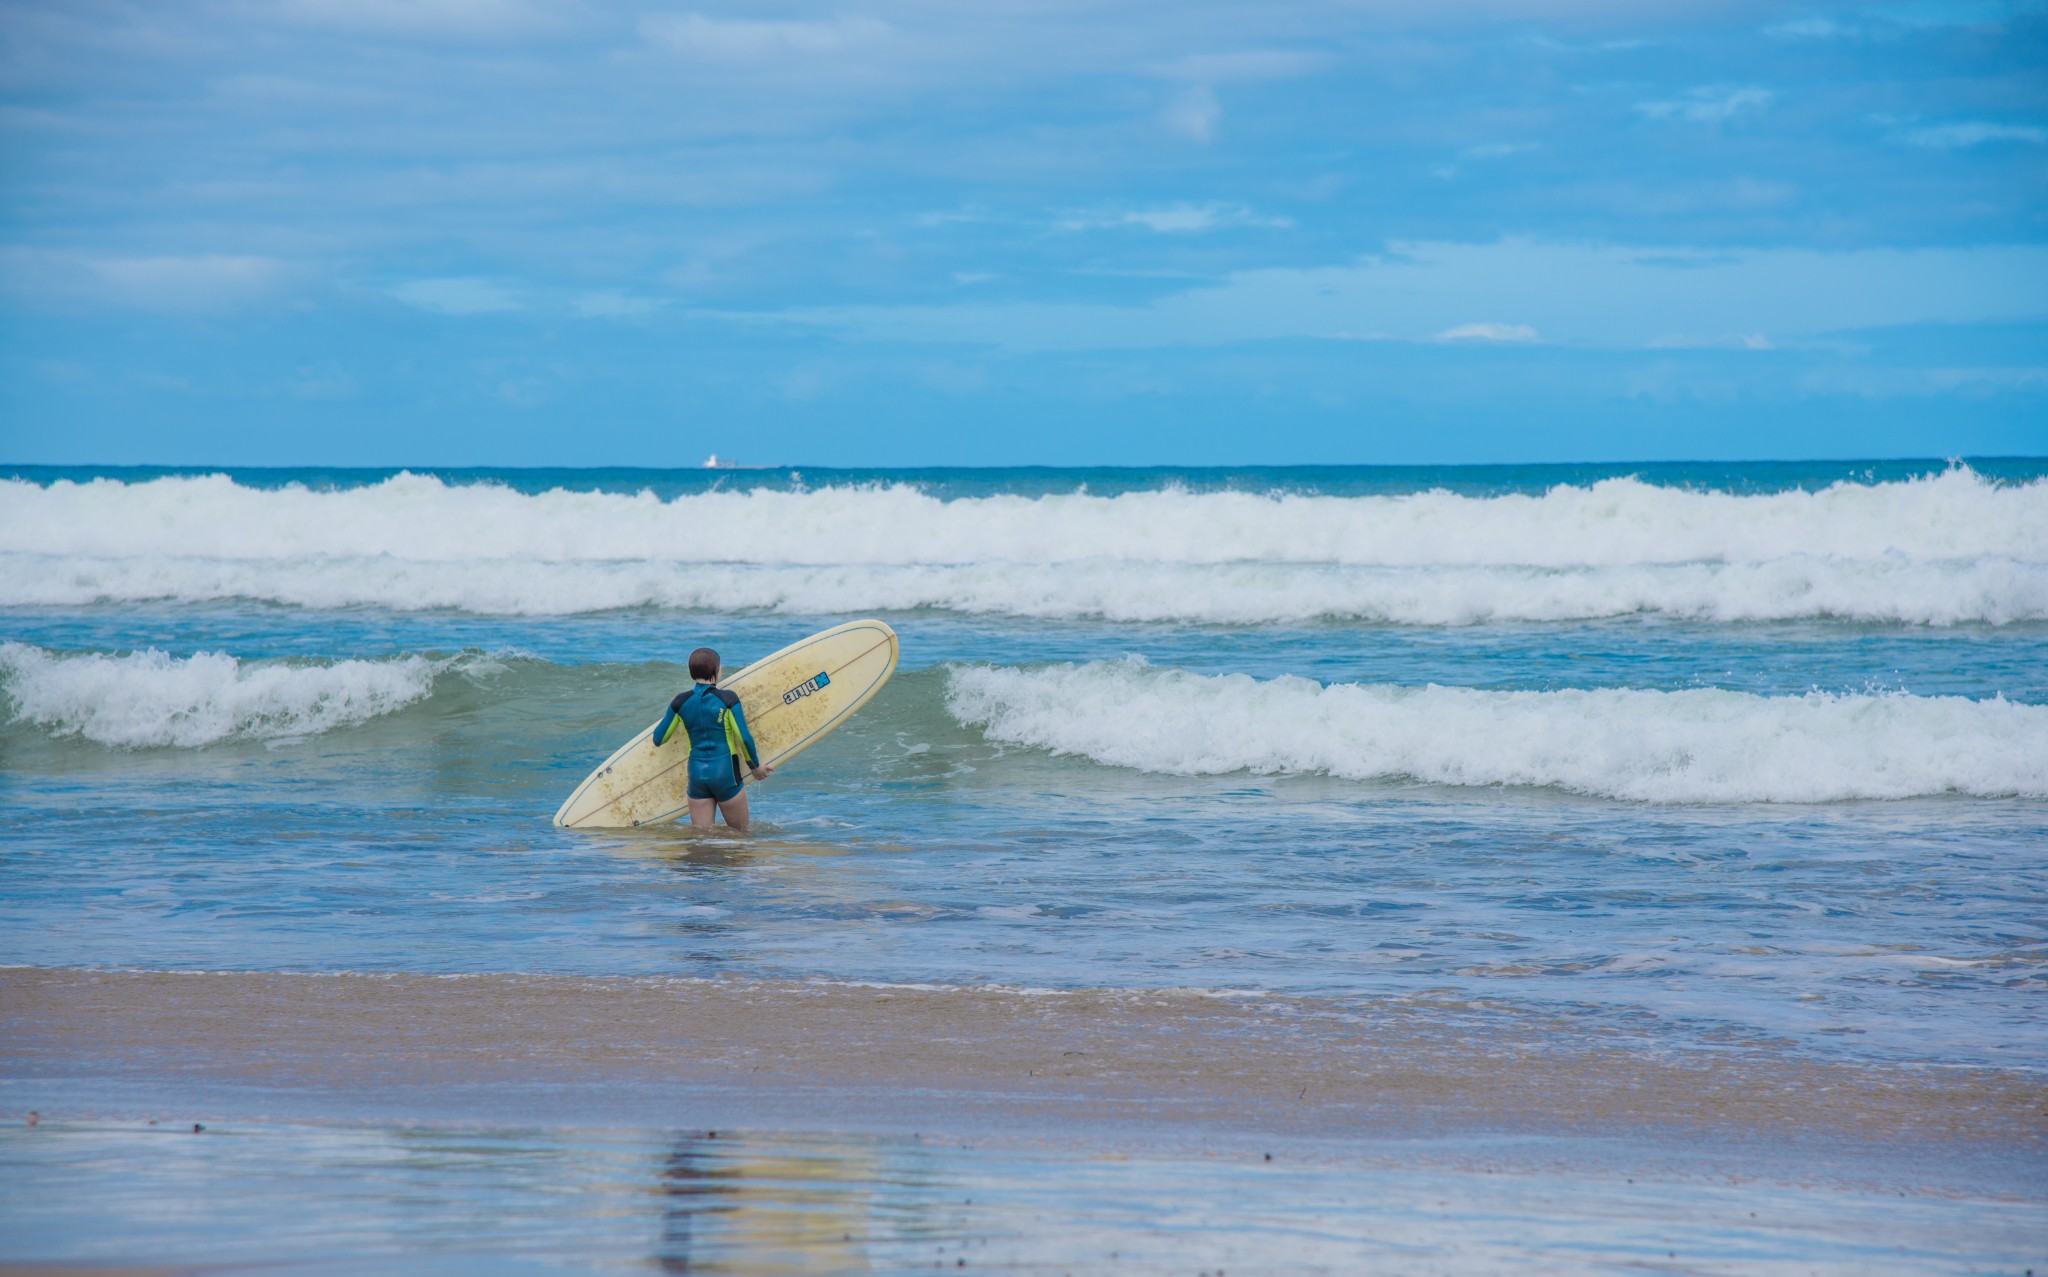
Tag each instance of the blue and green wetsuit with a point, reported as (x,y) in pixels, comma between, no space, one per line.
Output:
(721,748)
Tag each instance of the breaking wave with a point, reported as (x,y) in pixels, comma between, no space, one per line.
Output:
(1695,746)
(1945,549)
(1997,591)
(150,698)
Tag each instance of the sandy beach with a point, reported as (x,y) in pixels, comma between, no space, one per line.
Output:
(884,1058)
(795,1112)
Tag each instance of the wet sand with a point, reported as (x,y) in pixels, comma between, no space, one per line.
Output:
(889,1059)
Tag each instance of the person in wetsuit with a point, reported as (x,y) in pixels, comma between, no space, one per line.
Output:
(721,748)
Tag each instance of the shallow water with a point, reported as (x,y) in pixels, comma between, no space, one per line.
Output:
(913,847)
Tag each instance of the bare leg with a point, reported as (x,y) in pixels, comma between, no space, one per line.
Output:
(701,812)
(734,810)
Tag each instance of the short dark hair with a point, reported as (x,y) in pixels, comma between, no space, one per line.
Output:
(704,664)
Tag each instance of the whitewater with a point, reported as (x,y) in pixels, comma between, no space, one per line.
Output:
(1703,745)
(1670,756)
(1946,548)
(151,698)
(1695,746)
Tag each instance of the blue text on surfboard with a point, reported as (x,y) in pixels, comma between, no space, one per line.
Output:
(805,688)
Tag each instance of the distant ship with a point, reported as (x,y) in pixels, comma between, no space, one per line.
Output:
(714,462)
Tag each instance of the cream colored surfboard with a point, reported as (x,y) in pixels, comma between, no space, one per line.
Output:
(791,700)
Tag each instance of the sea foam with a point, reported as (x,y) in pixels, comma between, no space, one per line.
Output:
(150,698)
(1695,746)
(1944,549)
(1993,591)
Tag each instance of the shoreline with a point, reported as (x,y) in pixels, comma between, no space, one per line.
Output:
(1156,1068)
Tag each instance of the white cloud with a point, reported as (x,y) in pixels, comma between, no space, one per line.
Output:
(752,41)
(1193,114)
(1484,151)
(194,283)
(951,217)
(1808,29)
(268,88)
(1497,150)
(418,17)
(1595,46)
(326,382)
(182,283)
(1901,21)
(1969,133)
(612,304)
(463,296)
(1707,105)
(1488,332)
(523,392)
(1662,196)
(1618,298)
(1734,341)
(2020,378)
(1245,66)
(1174,219)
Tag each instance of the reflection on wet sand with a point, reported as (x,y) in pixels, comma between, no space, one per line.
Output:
(317,1198)
(740,1207)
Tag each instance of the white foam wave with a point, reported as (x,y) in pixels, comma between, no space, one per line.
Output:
(1944,549)
(1693,746)
(413,518)
(1995,591)
(150,698)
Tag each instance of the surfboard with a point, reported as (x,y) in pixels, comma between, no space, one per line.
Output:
(791,699)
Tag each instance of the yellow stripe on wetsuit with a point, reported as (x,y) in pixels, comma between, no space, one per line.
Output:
(732,737)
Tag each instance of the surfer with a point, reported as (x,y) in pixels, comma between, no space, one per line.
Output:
(721,747)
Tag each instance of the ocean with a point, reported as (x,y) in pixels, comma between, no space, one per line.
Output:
(1734,763)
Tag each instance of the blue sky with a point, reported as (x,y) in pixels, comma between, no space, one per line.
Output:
(530,232)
